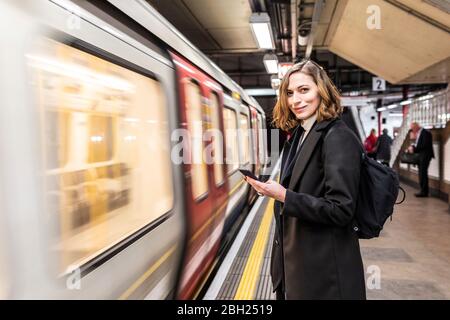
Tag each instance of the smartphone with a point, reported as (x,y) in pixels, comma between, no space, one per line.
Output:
(248,173)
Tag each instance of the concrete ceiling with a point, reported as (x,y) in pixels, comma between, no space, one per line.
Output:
(211,25)
(408,48)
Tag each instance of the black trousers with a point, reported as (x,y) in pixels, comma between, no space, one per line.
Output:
(423,176)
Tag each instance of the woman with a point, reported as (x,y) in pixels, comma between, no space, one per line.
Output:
(315,252)
(370,144)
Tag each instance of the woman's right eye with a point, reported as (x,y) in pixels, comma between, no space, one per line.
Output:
(289,93)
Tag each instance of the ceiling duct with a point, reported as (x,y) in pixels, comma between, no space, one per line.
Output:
(294,18)
(279,11)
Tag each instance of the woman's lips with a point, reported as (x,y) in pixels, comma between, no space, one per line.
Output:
(299,109)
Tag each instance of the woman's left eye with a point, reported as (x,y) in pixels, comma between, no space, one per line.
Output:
(303,90)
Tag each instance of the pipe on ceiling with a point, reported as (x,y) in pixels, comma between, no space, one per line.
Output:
(257,6)
(285,28)
(294,17)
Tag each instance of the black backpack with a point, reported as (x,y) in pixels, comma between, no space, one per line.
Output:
(378,191)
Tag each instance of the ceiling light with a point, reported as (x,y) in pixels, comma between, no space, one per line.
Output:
(275,82)
(262,31)
(404,103)
(271,63)
(428,96)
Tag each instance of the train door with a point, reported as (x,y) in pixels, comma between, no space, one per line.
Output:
(201,105)
(238,187)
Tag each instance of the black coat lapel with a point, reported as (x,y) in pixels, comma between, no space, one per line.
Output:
(291,143)
(308,147)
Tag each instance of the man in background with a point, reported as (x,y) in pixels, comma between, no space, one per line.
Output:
(424,147)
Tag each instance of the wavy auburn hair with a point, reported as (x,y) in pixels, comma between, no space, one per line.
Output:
(330,101)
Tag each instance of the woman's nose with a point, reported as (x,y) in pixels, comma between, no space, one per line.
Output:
(296,97)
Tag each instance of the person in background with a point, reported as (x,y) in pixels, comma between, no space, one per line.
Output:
(370,144)
(383,148)
(424,147)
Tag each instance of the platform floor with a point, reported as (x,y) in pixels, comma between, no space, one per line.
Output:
(410,260)
(413,252)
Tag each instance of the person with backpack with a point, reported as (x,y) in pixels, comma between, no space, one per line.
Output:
(315,253)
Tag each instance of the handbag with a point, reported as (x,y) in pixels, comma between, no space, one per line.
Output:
(410,158)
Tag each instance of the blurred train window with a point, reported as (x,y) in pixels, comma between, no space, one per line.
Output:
(260,139)
(218,144)
(199,174)
(244,133)
(56,135)
(106,144)
(229,120)
(100,138)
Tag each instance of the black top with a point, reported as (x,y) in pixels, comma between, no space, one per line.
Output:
(425,145)
(384,143)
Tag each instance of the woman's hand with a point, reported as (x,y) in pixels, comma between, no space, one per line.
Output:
(270,188)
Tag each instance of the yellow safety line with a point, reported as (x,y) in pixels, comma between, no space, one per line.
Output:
(147,274)
(249,279)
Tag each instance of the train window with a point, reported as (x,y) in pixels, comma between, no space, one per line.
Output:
(244,133)
(229,120)
(199,174)
(218,141)
(56,135)
(260,139)
(105,138)
(100,138)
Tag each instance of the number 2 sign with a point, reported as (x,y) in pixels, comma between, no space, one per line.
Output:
(378,84)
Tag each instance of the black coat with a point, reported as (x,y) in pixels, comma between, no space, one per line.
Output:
(319,251)
(384,144)
(425,146)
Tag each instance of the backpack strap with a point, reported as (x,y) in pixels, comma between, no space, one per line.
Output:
(404,195)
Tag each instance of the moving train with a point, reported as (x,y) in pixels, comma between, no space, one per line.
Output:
(96,96)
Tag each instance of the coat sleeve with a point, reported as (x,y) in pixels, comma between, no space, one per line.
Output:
(342,162)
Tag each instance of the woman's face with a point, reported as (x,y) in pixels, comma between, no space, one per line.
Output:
(302,95)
